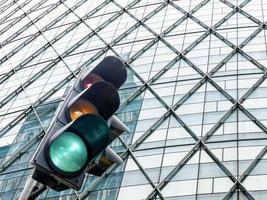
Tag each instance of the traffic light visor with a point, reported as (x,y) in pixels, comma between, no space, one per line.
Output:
(110,69)
(101,98)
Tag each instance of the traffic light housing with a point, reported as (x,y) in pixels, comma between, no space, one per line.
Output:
(77,141)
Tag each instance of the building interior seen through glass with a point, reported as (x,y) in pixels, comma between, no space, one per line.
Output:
(194,100)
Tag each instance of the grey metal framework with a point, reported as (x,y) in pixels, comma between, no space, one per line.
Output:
(31,16)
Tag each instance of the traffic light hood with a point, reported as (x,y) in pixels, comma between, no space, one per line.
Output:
(110,69)
(101,98)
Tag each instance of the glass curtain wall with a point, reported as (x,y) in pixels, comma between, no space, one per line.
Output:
(195,98)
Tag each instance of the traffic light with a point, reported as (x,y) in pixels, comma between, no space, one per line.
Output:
(77,141)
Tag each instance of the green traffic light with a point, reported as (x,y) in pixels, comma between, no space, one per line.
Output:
(68,152)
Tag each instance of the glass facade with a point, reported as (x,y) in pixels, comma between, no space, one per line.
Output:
(194,100)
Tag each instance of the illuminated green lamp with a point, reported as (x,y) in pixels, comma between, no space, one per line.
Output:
(70,150)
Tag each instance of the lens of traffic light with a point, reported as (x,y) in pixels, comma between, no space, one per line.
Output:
(90,80)
(68,153)
(81,107)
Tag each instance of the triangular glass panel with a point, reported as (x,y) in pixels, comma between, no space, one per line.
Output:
(97,19)
(115,26)
(67,44)
(133,82)
(47,55)
(178,71)
(169,133)
(156,139)
(122,24)
(211,16)
(184,34)
(142,65)
(247,153)
(45,113)
(8,118)
(14,104)
(177,134)
(134,181)
(255,103)
(212,180)
(140,10)
(230,23)
(151,111)
(110,7)
(150,160)
(143,35)
(204,107)
(177,188)
(138,45)
(208,53)
(159,23)
(173,156)
(56,93)
(168,21)
(47,82)
(162,57)
(246,28)
(226,152)
(149,63)
(130,89)
(237,76)
(256,49)
(239,123)
(255,181)
(94,43)
(123,3)
(165,91)
(199,174)
(183,87)
(237,28)
(155,23)
(236,153)
(123,49)
(238,63)
(257,11)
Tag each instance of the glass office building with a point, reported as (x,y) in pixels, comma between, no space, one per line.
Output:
(195,97)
